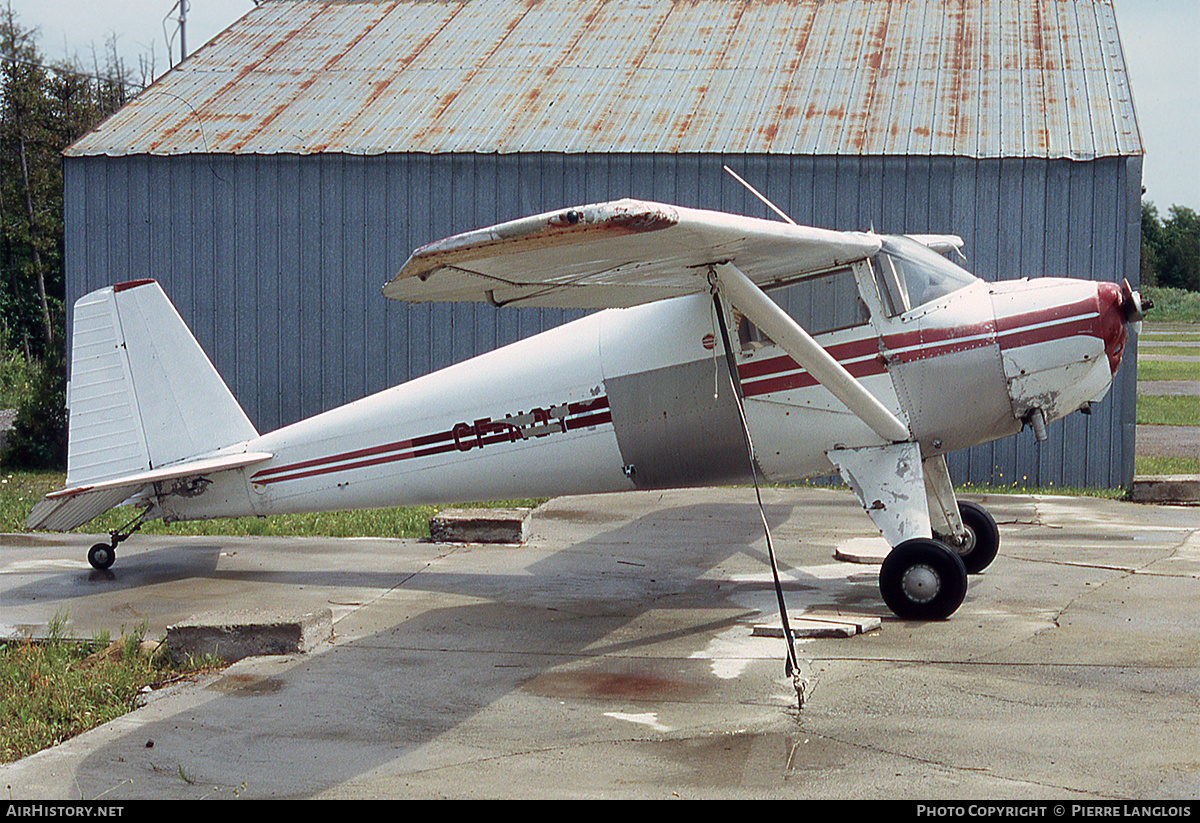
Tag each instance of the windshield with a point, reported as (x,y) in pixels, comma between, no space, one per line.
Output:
(910,274)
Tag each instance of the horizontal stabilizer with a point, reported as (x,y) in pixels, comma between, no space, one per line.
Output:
(72,507)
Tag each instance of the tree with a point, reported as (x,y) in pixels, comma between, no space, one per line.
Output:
(1179,264)
(38,439)
(1171,248)
(1151,242)
(43,109)
(27,182)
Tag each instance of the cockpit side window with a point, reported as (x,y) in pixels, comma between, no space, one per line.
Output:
(910,274)
(891,285)
(821,303)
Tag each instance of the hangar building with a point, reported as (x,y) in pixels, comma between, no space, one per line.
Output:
(274,180)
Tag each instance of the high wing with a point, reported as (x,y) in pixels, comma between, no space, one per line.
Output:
(615,255)
(628,252)
(940,243)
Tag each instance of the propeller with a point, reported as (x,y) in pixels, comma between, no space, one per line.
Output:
(1134,306)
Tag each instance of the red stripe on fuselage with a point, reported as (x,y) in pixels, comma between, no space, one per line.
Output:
(580,415)
(404,447)
(1051,314)
(865,357)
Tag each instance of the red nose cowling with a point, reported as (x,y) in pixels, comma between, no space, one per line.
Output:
(1110,324)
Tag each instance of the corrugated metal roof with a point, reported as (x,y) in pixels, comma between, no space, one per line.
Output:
(973,78)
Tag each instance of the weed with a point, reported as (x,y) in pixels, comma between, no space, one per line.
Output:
(56,688)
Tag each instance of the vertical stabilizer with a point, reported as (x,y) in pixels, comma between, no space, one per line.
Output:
(143,394)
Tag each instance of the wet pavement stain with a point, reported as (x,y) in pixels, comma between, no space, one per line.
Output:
(751,760)
(630,685)
(578,516)
(247,685)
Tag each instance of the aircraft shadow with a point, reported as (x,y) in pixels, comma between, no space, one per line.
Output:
(574,624)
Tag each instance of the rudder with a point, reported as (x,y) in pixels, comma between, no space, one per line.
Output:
(143,394)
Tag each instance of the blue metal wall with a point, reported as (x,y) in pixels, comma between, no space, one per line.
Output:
(276,261)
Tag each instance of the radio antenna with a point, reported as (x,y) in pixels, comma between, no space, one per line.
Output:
(756,193)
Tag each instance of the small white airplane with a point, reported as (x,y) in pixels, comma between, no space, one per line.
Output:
(914,358)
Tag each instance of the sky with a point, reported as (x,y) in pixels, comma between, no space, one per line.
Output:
(1159,38)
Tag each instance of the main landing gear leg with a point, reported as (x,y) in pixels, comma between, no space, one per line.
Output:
(965,527)
(103,555)
(922,578)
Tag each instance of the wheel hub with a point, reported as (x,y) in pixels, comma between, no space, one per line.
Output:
(920,583)
(967,544)
(101,556)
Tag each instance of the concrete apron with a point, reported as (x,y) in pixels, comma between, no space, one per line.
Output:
(614,655)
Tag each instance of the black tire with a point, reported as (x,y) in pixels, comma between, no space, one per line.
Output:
(101,556)
(923,579)
(983,538)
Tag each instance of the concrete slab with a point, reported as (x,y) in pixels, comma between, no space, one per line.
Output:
(229,636)
(1169,488)
(480,526)
(613,656)
(819,623)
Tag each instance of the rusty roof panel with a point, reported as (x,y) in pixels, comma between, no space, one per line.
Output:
(975,78)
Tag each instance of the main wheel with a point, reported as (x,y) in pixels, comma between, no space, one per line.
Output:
(923,579)
(101,556)
(982,542)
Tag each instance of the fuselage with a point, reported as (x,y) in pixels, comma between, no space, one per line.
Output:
(640,398)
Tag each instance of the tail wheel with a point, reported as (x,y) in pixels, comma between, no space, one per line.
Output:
(923,579)
(102,556)
(982,542)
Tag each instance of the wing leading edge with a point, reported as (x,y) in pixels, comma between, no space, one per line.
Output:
(614,255)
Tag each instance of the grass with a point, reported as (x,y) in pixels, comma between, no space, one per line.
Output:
(1168,410)
(16,379)
(1171,336)
(54,689)
(1025,488)
(1154,464)
(1169,351)
(1166,370)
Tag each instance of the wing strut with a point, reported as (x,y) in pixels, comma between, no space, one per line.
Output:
(792,665)
(799,344)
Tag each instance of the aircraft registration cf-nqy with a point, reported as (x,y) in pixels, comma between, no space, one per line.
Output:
(906,358)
